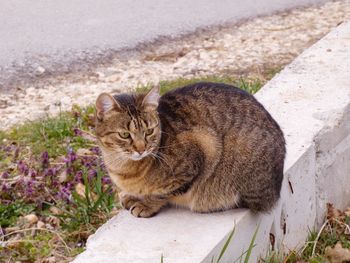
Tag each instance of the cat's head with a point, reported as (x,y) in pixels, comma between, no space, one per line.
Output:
(128,126)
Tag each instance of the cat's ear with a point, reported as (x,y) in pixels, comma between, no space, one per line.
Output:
(150,102)
(104,103)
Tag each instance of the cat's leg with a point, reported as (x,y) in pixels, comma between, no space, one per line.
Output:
(214,194)
(204,205)
(148,206)
(127,200)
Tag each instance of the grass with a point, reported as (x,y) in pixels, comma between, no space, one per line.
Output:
(53,135)
(251,85)
(11,212)
(320,245)
(245,257)
(70,194)
(246,254)
(42,174)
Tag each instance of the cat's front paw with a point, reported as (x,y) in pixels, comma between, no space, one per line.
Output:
(139,209)
(127,201)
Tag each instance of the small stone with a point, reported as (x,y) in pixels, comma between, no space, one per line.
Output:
(54,210)
(100,74)
(51,260)
(40,70)
(3,104)
(347,212)
(113,78)
(114,211)
(40,224)
(31,218)
(49,226)
(80,189)
(12,229)
(53,221)
(62,177)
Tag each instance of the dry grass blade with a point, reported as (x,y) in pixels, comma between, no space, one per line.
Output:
(318,237)
(39,229)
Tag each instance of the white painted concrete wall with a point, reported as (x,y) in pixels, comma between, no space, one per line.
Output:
(310,99)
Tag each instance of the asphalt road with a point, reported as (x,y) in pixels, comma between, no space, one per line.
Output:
(54,34)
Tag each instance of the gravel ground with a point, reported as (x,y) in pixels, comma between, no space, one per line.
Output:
(251,48)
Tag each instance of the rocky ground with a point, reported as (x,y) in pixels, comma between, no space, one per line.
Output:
(252,48)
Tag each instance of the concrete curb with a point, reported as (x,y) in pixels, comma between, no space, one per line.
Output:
(310,99)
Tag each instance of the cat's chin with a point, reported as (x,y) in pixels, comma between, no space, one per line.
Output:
(137,157)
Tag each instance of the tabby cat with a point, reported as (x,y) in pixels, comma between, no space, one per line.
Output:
(207,146)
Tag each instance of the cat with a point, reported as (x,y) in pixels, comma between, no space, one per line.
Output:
(206,146)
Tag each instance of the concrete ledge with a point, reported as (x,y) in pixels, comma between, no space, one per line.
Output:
(310,99)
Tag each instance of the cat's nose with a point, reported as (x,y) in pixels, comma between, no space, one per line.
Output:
(139,147)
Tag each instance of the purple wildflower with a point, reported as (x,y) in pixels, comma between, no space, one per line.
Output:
(50,172)
(29,192)
(4,188)
(91,174)
(69,170)
(45,159)
(78,176)
(70,158)
(8,149)
(103,166)
(106,180)
(64,194)
(5,175)
(23,167)
(77,132)
(95,150)
(86,162)
(54,183)
(29,188)
(30,183)
(33,173)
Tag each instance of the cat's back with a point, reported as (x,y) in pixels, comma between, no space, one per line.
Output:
(216,105)
(203,92)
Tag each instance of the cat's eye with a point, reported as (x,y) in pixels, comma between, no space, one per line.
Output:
(124,135)
(149,131)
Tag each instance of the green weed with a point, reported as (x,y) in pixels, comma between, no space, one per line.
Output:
(250,85)
(53,135)
(9,213)
(92,208)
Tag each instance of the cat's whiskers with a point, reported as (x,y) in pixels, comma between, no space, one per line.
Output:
(113,162)
(115,158)
(111,159)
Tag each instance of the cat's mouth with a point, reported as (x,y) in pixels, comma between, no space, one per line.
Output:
(135,156)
